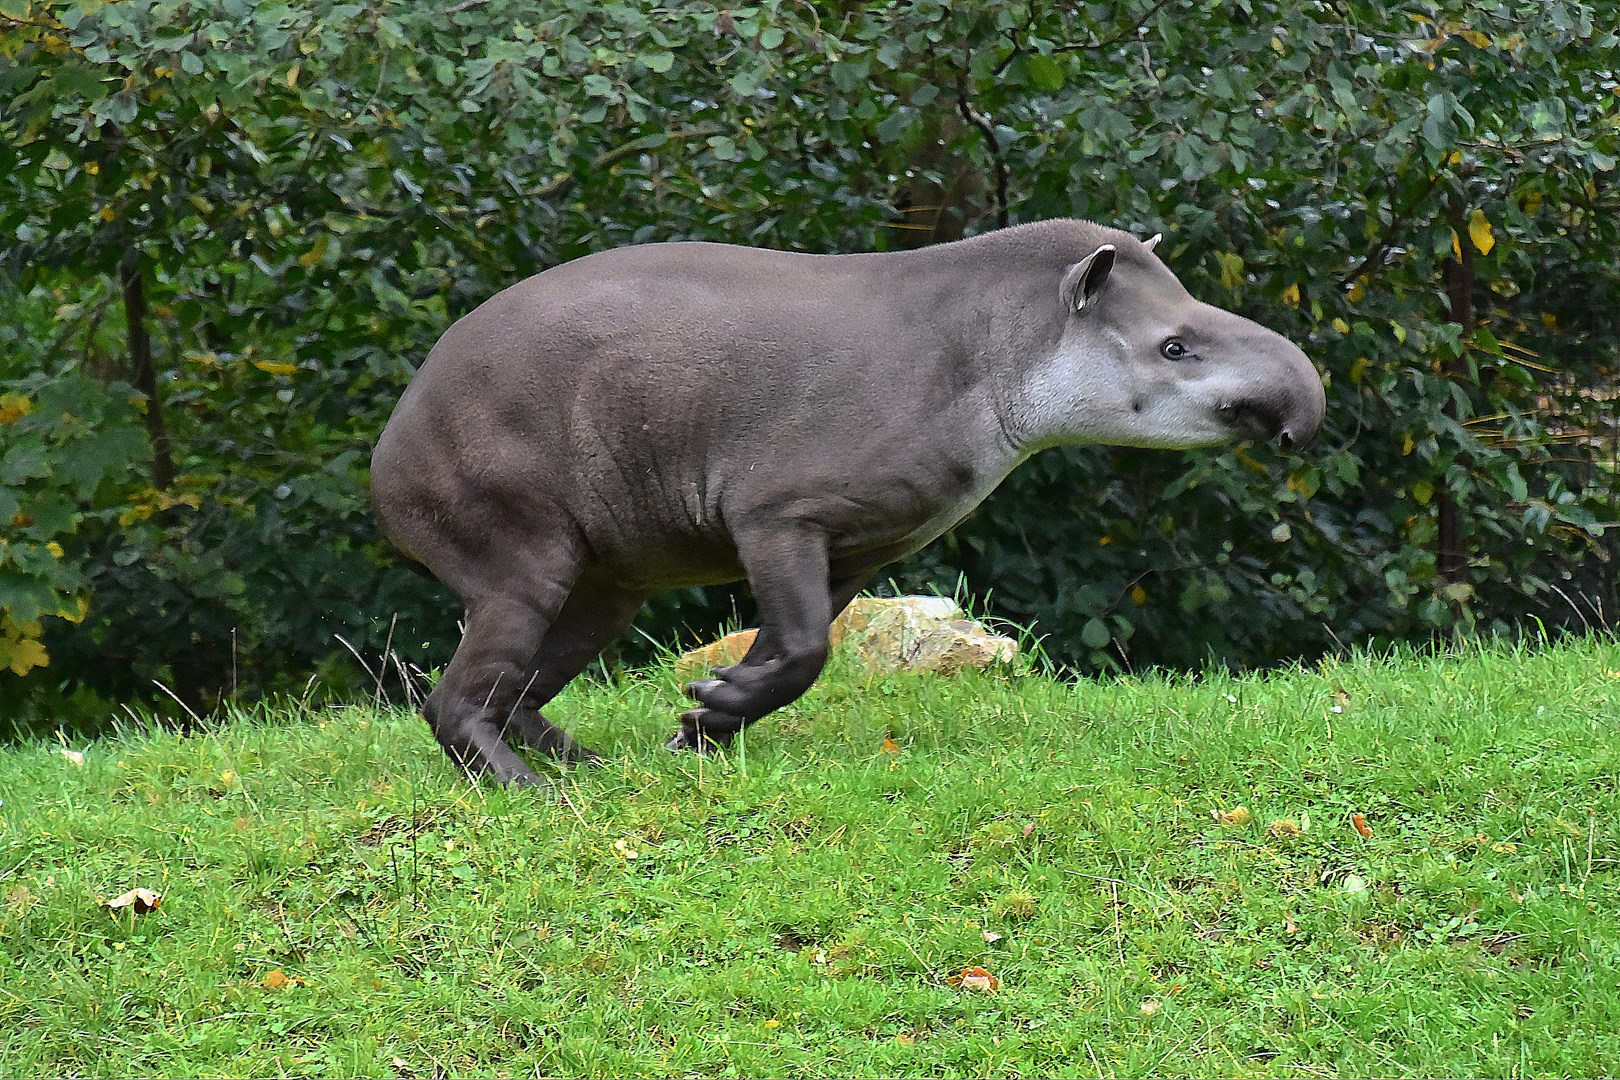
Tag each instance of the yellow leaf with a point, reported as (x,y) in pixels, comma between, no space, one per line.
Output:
(1456,246)
(1532,200)
(1356,293)
(1231,269)
(1549,320)
(22,655)
(55,549)
(275,980)
(1479,231)
(1358,370)
(1341,326)
(92,167)
(106,213)
(890,746)
(14,407)
(1138,594)
(1290,296)
(314,254)
(1407,444)
(275,369)
(1475,38)
(292,74)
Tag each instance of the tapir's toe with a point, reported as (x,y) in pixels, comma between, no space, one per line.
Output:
(705,731)
(696,690)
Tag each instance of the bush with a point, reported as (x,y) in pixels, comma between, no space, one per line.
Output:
(230,239)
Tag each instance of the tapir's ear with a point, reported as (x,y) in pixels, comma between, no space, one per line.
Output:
(1153,241)
(1084,281)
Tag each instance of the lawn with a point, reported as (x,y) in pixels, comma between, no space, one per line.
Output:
(1164,875)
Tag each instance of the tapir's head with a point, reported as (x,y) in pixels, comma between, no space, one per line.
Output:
(1139,362)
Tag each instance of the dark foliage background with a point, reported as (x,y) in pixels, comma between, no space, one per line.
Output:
(230,229)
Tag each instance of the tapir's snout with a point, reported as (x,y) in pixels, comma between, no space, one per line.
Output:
(1291,411)
(1307,405)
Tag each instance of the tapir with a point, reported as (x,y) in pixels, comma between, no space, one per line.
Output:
(679,414)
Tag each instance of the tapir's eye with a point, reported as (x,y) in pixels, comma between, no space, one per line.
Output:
(1175,349)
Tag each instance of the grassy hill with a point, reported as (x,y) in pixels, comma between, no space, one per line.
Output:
(338,901)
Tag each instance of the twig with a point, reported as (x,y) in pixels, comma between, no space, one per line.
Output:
(382,666)
(356,654)
(973,117)
(1140,24)
(1395,221)
(565,183)
(1150,892)
(177,700)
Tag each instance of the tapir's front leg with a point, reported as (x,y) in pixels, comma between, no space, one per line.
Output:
(787,570)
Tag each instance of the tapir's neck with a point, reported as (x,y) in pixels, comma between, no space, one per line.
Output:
(993,301)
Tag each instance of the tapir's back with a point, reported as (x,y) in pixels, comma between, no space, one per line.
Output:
(635,387)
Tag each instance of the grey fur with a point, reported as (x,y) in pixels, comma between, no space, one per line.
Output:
(681,414)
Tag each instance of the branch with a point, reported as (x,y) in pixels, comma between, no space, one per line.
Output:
(972,116)
(1388,241)
(565,183)
(1117,38)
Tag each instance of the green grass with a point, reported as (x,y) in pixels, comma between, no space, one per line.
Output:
(796,907)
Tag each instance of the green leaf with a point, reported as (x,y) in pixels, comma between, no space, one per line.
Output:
(1044,72)
(1096,634)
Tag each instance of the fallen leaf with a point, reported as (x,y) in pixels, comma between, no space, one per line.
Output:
(275,980)
(773,1023)
(1150,1006)
(1284,829)
(1355,883)
(976,978)
(624,849)
(142,900)
(990,935)
(75,756)
(1238,815)
(1291,927)
(890,746)
(1360,822)
(1028,829)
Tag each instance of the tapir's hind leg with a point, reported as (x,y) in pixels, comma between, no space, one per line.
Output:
(513,598)
(592,617)
(788,573)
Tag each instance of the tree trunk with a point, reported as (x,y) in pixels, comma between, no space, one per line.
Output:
(1451,559)
(142,375)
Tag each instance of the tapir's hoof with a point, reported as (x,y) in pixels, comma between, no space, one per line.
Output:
(714,735)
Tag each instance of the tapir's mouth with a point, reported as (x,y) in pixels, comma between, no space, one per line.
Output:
(1251,419)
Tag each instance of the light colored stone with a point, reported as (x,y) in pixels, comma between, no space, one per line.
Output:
(728,650)
(907,633)
(903,639)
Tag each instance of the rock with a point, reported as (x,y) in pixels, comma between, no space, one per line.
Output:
(903,639)
(908,633)
(728,650)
